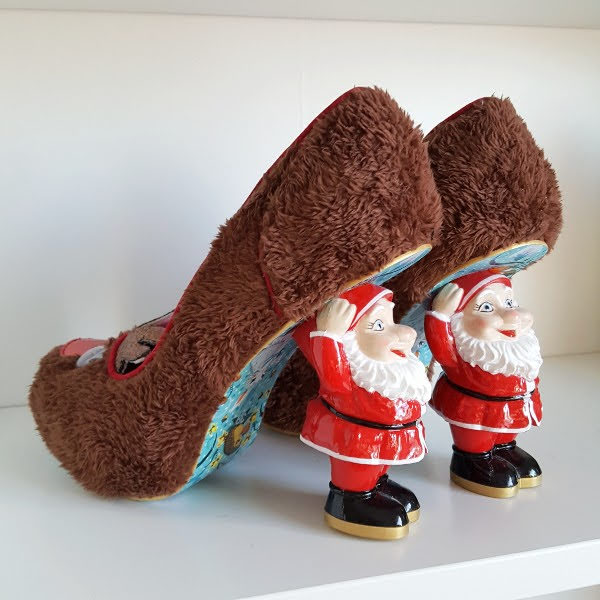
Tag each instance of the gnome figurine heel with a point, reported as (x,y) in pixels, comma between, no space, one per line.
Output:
(367,414)
(501,213)
(488,391)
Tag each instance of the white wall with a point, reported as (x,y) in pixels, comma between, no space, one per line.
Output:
(125,140)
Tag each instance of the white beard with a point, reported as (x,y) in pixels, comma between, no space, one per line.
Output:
(518,356)
(402,379)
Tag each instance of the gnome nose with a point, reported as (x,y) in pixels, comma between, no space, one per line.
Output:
(406,335)
(525,318)
(512,318)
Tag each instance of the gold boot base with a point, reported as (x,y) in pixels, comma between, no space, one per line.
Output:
(530,482)
(366,531)
(484,490)
(413,515)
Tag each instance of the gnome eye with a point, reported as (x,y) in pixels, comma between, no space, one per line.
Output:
(510,303)
(485,307)
(376,325)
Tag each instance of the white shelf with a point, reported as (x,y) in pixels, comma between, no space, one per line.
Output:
(546,13)
(256,526)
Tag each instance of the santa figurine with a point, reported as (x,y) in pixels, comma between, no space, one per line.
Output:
(488,392)
(367,415)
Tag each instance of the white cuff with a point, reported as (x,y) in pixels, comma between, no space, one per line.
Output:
(327,334)
(438,315)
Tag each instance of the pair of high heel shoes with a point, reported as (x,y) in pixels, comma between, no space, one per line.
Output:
(359,196)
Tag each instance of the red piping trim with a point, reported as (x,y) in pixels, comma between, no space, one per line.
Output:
(274,304)
(461,110)
(322,113)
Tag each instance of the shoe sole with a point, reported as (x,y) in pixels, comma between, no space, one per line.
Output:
(238,419)
(484,490)
(366,531)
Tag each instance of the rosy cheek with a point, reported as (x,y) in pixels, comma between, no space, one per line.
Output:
(482,323)
(478,324)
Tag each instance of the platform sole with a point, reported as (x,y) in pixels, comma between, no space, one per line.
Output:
(366,531)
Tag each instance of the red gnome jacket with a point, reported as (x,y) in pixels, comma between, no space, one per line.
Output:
(346,421)
(486,402)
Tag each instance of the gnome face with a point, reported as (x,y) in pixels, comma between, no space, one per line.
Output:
(493,315)
(379,338)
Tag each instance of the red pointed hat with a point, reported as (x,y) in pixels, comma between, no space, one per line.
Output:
(364,298)
(472,283)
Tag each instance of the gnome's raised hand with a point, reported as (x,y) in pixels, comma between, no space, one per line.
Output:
(336,316)
(448,299)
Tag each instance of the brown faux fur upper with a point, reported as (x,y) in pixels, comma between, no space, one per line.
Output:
(379,199)
(355,192)
(497,189)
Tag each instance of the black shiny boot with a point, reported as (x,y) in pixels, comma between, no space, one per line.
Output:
(371,514)
(484,473)
(405,496)
(530,474)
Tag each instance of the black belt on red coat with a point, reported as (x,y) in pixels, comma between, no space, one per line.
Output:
(481,396)
(364,423)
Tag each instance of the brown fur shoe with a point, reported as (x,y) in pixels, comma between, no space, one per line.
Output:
(501,208)
(159,408)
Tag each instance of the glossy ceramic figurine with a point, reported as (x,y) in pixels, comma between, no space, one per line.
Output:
(488,390)
(367,415)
